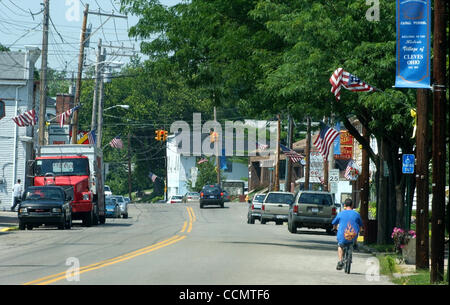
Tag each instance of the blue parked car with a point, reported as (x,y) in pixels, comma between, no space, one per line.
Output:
(112,207)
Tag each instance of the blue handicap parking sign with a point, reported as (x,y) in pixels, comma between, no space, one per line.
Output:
(408,164)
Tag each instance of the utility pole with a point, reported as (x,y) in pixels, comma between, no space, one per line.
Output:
(308,153)
(288,171)
(364,209)
(422,221)
(439,155)
(217,140)
(277,157)
(129,165)
(98,73)
(79,76)
(43,82)
(100,104)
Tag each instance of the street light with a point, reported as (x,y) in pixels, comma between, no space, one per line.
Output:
(126,107)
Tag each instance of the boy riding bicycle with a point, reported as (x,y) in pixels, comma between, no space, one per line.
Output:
(348,223)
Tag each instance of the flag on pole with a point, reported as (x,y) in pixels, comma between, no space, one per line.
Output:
(261,146)
(28,118)
(116,143)
(203,160)
(341,78)
(152,176)
(325,139)
(66,115)
(291,154)
(92,137)
(352,170)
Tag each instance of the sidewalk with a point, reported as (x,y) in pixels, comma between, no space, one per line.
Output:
(8,220)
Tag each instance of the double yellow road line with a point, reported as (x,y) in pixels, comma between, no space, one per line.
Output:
(192,219)
(174,239)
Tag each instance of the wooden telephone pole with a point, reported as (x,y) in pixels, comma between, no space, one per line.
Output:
(277,157)
(80,75)
(308,153)
(439,154)
(43,76)
(422,221)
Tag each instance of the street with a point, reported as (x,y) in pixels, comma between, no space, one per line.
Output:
(178,244)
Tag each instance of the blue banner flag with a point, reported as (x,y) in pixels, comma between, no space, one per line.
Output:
(413,44)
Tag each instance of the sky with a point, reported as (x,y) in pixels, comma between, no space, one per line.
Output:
(21,25)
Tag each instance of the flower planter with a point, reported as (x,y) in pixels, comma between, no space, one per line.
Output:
(409,252)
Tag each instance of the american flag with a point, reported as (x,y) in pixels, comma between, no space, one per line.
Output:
(116,143)
(352,170)
(203,160)
(261,146)
(26,119)
(152,176)
(293,155)
(66,115)
(325,139)
(341,78)
(92,137)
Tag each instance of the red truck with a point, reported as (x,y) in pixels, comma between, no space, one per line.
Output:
(79,166)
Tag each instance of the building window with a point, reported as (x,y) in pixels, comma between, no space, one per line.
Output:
(2,109)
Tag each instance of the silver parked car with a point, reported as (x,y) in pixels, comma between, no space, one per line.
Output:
(276,207)
(191,196)
(123,206)
(254,208)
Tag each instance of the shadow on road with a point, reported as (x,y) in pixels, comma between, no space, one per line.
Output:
(300,244)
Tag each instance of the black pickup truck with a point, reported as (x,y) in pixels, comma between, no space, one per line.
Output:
(49,205)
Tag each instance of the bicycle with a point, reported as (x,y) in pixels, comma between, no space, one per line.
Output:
(347,257)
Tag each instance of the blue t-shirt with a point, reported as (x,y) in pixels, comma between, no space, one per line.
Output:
(349,223)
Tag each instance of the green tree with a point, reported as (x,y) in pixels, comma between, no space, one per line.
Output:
(4,49)
(207,174)
(268,57)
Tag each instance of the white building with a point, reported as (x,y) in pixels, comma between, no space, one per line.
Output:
(16,97)
(181,167)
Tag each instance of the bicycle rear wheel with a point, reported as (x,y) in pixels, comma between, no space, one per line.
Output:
(348,259)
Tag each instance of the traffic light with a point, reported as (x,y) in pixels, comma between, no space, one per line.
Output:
(165,135)
(214,136)
(161,135)
(158,135)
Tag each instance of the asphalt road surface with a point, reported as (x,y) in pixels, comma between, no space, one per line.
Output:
(178,244)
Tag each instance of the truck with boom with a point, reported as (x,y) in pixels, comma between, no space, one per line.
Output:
(79,166)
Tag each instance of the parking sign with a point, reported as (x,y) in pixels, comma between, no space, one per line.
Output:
(408,164)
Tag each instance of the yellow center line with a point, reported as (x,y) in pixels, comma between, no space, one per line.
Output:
(184,227)
(98,266)
(190,220)
(193,214)
(60,276)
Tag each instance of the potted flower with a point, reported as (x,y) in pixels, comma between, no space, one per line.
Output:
(405,243)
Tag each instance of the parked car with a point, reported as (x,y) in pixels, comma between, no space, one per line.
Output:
(211,195)
(254,208)
(175,199)
(312,209)
(107,190)
(226,196)
(49,205)
(112,207)
(275,207)
(127,199)
(191,196)
(123,206)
